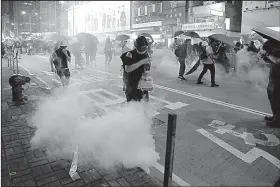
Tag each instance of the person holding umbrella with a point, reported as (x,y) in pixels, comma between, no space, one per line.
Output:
(271,54)
(206,57)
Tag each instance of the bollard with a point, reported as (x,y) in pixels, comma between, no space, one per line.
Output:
(169,152)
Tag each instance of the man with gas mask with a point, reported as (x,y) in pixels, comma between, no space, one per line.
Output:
(60,59)
(135,63)
(271,54)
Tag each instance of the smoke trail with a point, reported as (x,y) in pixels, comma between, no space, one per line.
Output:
(119,137)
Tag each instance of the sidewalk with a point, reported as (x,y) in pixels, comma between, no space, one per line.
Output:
(22,166)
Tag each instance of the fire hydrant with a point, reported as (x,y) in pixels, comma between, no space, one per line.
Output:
(16,81)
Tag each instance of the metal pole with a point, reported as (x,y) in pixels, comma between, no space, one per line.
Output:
(30,24)
(55,16)
(73,18)
(169,152)
(4,25)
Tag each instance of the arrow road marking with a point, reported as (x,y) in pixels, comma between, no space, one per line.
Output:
(249,157)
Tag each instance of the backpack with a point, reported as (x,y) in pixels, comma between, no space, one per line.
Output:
(203,55)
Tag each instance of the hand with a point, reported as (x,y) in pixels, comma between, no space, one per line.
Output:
(146,61)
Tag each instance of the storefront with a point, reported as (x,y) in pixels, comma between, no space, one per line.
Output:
(217,18)
(101,18)
(261,13)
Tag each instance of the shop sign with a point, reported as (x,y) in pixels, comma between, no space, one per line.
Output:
(198,26)
(148,24)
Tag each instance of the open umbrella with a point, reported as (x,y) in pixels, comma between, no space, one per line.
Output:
(193,66)
(54,37)
(267,33)
(178,33)
(85,37)
(223,38)
(122,37)
(191,34)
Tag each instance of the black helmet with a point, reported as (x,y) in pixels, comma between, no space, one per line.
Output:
(141,44)
(140,41)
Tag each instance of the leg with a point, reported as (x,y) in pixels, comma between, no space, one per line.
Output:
(211,67)
(87,58)
(202,73)
(182,67)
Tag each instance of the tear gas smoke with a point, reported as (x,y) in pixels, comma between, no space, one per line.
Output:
(119,137)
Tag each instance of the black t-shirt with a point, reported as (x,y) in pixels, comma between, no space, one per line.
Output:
(134,76)
(63,57)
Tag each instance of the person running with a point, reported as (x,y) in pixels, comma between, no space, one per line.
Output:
(108,50)
(206,57)
(60,59)
(90,52)
(134,63)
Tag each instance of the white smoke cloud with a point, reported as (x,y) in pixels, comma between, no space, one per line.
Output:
(119,137)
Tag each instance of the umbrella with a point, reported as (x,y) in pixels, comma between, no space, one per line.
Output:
(223,38)
(55,37)
(72,39)
(191,34)
(267,33)
(85,37)
(178,33)
(122,37)
(193,66)
(147,35)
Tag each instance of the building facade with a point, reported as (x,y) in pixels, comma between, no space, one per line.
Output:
(49,16)
(260,13)
(7,18)
(214,17)
(26,17)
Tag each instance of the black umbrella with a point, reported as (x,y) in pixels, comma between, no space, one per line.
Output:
(122,37)
(191,34)
(178,33)
(147,35)
(85,37)
(193,66)
(223,38)
(267,33)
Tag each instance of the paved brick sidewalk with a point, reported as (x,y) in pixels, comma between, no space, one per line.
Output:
(22,166)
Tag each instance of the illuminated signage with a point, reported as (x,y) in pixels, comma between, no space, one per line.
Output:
(148,24)
(198,26)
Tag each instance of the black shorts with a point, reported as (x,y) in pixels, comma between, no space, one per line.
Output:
(63,72)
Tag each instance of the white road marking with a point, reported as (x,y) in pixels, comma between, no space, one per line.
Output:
(248,138)
(175,178)
(202,98)
(249,157)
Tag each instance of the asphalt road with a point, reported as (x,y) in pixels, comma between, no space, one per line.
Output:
(221,138)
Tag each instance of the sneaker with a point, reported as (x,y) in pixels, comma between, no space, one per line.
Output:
(269,118)
(273,124)
(199,82)
(182,78)
(214,85)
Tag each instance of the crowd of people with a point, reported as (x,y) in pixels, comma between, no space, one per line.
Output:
(136,63)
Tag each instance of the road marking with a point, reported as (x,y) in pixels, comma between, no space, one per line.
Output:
(248,138)
(202,98)
(249,157)
(175,178)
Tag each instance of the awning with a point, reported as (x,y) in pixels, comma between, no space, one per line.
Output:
(166,22)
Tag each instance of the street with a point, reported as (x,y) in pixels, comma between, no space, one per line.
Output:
(219,136)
